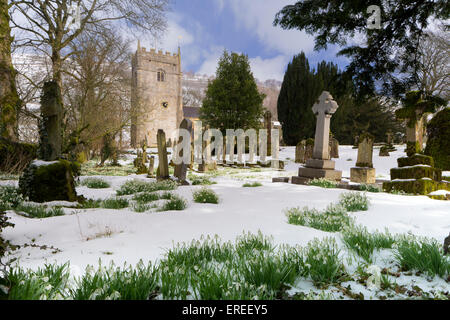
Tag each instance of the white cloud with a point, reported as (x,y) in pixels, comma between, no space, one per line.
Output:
(257,16)
(175,36)
(210,60)
(265,69)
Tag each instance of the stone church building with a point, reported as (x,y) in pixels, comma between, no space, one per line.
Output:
(156,95)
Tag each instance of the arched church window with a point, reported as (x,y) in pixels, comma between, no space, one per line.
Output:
(161,76)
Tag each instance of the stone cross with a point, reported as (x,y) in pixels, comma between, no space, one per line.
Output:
(162,155)
(323,109)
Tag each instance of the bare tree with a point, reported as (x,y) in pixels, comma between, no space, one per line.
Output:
(46,24)
(434,74)
(97,88)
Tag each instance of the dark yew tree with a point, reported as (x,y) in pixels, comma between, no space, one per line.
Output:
(389,55)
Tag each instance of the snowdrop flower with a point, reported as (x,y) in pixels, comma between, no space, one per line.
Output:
(95,294)
(373,282)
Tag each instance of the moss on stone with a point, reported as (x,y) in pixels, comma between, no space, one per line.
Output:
(310,142)
(438,143)
(51,182)
(422,187)
(415,160)
(416,173)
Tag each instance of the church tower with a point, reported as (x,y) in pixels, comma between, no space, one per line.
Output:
(156,98)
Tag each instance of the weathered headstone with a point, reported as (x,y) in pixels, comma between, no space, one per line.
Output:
(50,128)
(334,148)
(309,149)
(268,127)
(364,171)
(300,150)
(320,166)
(163,166)
(151,167)
(181,169)
(356,142)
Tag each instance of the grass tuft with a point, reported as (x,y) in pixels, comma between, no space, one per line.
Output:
(423,255)
(364,243)
(206,195)
(177,203)
(354,201)
(252,185)
(95,183)
(39,211)
(323,183)
(333,219)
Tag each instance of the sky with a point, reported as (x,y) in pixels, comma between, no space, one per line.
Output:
(205,28)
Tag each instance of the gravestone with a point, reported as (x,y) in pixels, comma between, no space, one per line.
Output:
(300,150)
(163,166)
(151,167)
(320,166)
(334,148)
(364,171)
(50,126)
(181,169)
(356,142)
(50,178)
(309,149)
(268,127)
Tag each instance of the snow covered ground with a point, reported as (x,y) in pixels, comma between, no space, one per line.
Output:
(135,236)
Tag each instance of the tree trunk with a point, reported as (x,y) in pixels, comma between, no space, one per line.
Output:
(9,98)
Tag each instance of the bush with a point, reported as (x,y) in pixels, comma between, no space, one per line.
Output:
(206,195)
(354,201)
(95,183)
(438,144)
(322,182)
(14,156)
(423,255)
(136,186)
(39,211)
(333,219)
(4,245)
(175,204)
(10,197)
(252,185)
